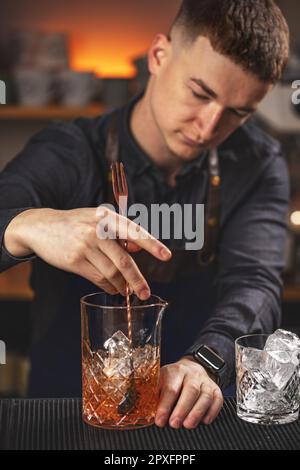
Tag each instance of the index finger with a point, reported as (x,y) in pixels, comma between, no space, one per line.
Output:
(119,226)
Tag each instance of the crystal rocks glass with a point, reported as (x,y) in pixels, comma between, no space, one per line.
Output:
(267,377)
(120,368)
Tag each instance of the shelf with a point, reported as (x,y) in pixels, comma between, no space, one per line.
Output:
(49,112)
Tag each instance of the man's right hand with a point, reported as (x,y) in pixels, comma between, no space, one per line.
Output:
(68,240)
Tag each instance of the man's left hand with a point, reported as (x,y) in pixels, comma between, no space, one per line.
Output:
(188,395)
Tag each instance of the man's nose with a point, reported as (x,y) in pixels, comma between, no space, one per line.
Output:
(209,121)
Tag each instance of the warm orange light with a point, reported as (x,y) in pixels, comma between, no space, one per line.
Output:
(105,67)
(110,58)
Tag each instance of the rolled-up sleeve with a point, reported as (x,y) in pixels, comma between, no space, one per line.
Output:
(45,174)
(251,257)
(7,260)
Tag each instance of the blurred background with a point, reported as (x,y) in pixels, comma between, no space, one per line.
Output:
(63,59)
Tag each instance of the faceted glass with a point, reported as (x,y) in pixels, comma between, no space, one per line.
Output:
(120,363)
(267,377)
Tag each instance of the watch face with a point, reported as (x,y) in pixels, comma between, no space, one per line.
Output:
(210,358)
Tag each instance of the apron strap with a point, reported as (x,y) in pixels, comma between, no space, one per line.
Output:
(212,213)
(111,154)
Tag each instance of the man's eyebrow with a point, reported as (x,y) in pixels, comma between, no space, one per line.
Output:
(213,94)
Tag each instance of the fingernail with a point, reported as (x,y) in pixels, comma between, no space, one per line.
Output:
(165,253)
(191,423)
(161,420)
(176,423)
(145,294)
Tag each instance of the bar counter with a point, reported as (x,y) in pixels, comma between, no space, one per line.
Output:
(56,424)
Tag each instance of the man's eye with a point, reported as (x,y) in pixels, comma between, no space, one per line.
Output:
(200,97)
(239,114)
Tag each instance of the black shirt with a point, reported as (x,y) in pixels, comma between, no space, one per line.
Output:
(63,167)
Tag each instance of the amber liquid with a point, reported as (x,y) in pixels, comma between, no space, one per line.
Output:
(102,396)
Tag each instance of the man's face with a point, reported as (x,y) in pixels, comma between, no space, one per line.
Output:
(198,97)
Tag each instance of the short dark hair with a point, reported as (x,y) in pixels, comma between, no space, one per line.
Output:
(252,33)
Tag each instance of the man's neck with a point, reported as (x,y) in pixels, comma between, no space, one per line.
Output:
(151,141)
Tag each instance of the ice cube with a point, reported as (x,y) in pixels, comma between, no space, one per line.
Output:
(117,345)
(258,379)
(265,402)
(257,393)
(117,362)
(270,369)
(248,386)
(280,367)
(282,340)
(117,367)
(284,357)
(252,358)
(109,368)
(284,347)
(125,367)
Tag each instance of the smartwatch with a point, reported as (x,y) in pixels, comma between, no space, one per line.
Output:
(212,362)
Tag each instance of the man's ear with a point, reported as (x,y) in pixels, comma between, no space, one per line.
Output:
(158,53)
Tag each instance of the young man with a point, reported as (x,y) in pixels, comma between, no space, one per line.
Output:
(206,79)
